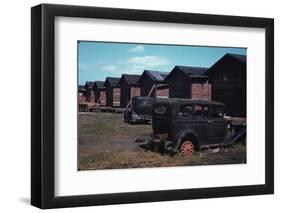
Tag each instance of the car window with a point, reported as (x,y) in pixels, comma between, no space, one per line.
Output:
(217,112)
(142,106)
(186,111)
(201,111)
(194,111)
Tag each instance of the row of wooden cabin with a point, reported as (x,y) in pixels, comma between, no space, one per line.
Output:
(224,82)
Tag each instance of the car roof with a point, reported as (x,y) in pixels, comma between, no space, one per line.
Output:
(143,97)
(172,101)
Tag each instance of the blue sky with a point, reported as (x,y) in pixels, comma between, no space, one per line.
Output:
(98,60)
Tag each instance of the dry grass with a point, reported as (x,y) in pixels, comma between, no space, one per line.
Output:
(106,142)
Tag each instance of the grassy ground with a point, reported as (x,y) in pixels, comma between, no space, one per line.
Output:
(106,142)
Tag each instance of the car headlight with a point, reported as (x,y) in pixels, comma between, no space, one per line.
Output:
(134,115)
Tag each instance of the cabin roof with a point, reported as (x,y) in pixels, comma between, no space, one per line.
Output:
(99,84)
(89,84)
(239,58)
(130,78)
(190,71)
(156,76)
(112,81)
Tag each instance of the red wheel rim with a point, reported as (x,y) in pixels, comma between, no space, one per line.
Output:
(187,148)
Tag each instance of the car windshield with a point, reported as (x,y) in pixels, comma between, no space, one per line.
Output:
(142,105)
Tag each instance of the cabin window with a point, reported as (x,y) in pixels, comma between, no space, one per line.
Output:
(217,112)
(201,111)
(186,111)
(160,110)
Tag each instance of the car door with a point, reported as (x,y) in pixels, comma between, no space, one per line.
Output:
(217,125)
(200,122)
(193,118)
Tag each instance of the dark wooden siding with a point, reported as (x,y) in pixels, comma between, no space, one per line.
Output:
(229,86)
(145,88)
(124,92)
(112,96)
(127,92)
(97,94)
(145,85)
(92,98)
(89,95)
(179,86)
(100,96)
(109,96)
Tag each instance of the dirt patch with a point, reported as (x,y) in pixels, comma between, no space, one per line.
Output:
(106,142)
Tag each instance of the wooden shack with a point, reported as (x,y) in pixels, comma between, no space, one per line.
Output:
(228,78)
(100,93)
(129,88)
(112,91)
(152,84)
(89,93)
(189,82)
(98,85)
(102,99)
(81,94)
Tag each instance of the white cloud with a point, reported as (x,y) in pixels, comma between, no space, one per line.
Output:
(109,68)
(84,67)
(134,69)
(148,61)
(138,48)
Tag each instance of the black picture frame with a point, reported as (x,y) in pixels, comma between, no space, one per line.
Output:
(43,117)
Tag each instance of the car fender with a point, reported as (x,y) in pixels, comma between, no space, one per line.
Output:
(178,138)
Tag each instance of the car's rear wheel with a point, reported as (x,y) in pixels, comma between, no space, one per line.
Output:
(187,148)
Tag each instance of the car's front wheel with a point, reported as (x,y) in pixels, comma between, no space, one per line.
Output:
(187,148)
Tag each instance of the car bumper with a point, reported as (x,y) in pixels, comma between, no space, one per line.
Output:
(138,119)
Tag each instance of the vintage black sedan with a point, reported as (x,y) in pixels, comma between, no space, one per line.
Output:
(186,125)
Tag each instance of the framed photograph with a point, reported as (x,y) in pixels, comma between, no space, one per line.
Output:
(136,106)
